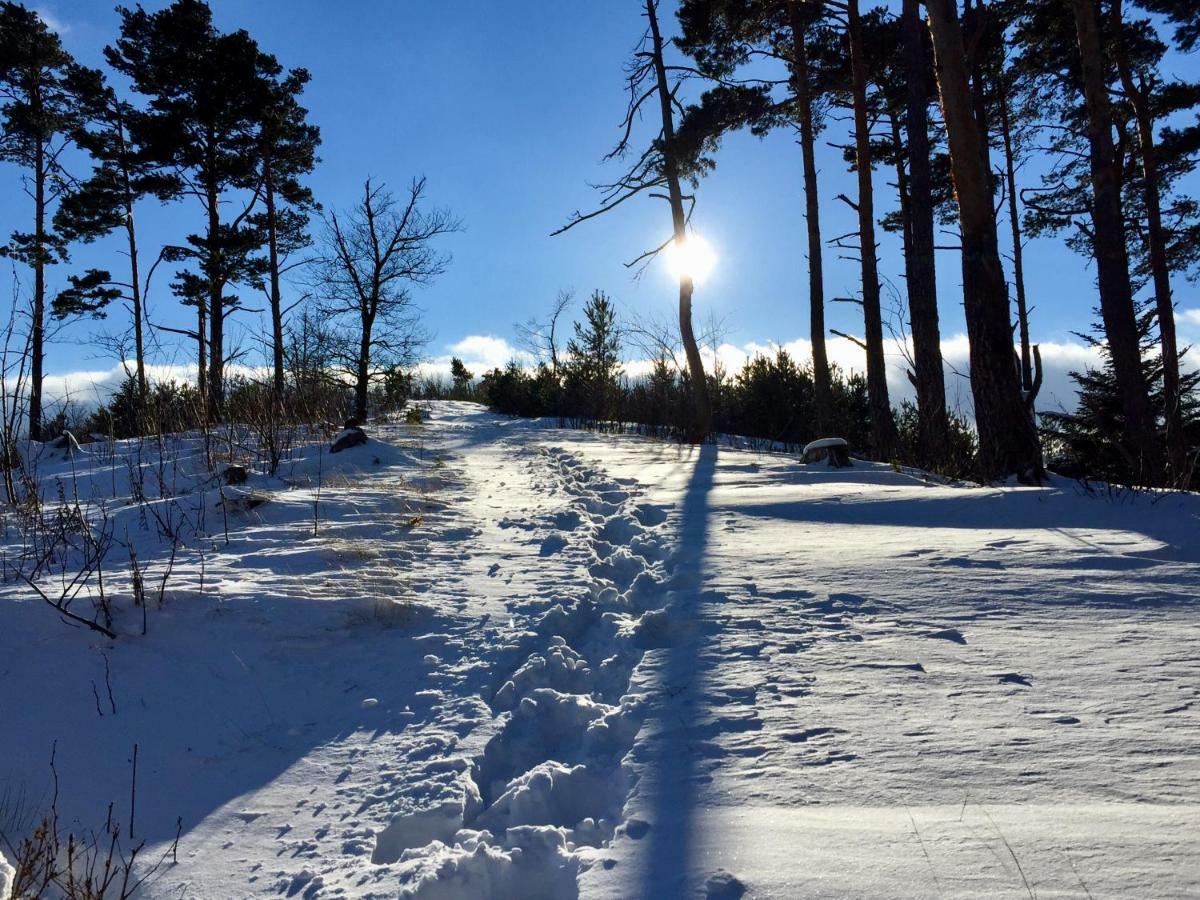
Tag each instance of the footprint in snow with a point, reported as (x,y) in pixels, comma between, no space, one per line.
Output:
(1015,678)
(552,544)
(948,634)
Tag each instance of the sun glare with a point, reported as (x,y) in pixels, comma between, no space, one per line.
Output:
(692,257)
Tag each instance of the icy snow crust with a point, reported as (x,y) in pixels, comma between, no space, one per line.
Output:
(511,661)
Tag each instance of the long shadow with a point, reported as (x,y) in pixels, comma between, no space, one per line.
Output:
(673,761)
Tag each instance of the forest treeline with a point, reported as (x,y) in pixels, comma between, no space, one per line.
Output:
(953,103)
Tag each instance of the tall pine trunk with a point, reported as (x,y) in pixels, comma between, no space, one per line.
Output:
(38,323)
(702,412)
(822,388)
(883,423)
(920,267)
(135,293)
(216,308)
(1112,256)
(1008,442)
(201,351)
(276,298)
(1014,222)
(1177,456)
(135,287)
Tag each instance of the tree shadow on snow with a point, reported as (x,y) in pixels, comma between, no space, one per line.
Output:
(673,765)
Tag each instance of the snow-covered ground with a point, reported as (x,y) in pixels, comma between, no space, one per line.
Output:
(499,660)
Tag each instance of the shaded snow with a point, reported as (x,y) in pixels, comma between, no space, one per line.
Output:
(518,662)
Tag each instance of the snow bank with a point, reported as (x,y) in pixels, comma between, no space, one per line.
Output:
(531,863)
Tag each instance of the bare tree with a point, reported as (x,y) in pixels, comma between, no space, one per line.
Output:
(373,255)
(660,167)
(541,338)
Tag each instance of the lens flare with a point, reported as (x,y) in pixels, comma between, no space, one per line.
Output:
(692,257)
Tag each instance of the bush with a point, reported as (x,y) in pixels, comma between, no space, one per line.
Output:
(959,458)
(170,407)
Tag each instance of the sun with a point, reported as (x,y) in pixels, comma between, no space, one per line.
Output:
(692,257)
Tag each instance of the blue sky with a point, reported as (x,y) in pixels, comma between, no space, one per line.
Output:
(508,108)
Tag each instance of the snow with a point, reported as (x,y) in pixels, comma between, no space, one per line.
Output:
(489,658)
(823,444)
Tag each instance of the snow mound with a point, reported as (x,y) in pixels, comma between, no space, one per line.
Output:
(555,794)
(530,864)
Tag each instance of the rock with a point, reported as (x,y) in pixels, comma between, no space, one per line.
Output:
(67,443)
(722,885)
(235,474)
(350,437)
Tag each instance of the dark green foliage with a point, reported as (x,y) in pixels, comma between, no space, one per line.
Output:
(207,94)
(392,391)
(771,399)
(1183,14)
(958,460)
(170,407)
(1086,443)
(593,362)
(88,295)
(463,378)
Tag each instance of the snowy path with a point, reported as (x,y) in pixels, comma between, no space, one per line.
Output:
(519,662)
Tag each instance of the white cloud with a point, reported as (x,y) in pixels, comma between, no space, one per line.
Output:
(1190,316)
(89,388)
(53,22)
(482,353)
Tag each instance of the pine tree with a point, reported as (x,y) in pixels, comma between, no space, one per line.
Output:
(1086,443)
(287,152)
(1008,443)
(1112,254)
(462,378)
(724,36)
(593,360)
(205,101)
(105,202)
(39,114)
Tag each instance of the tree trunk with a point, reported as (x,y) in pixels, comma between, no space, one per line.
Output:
(276,294)
(1007,439)
(216,309)
(975,25)
(919,260)
(1112,258)
(1177,455)
(135,287)
(1014,221)
(883,423)
(822,389)
(702,413)
(201,348)
(363,376)
(37,325)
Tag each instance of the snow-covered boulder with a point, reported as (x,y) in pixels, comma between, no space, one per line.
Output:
(353,436)
(833,449)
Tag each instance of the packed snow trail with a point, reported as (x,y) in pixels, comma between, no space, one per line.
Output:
(521,662)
